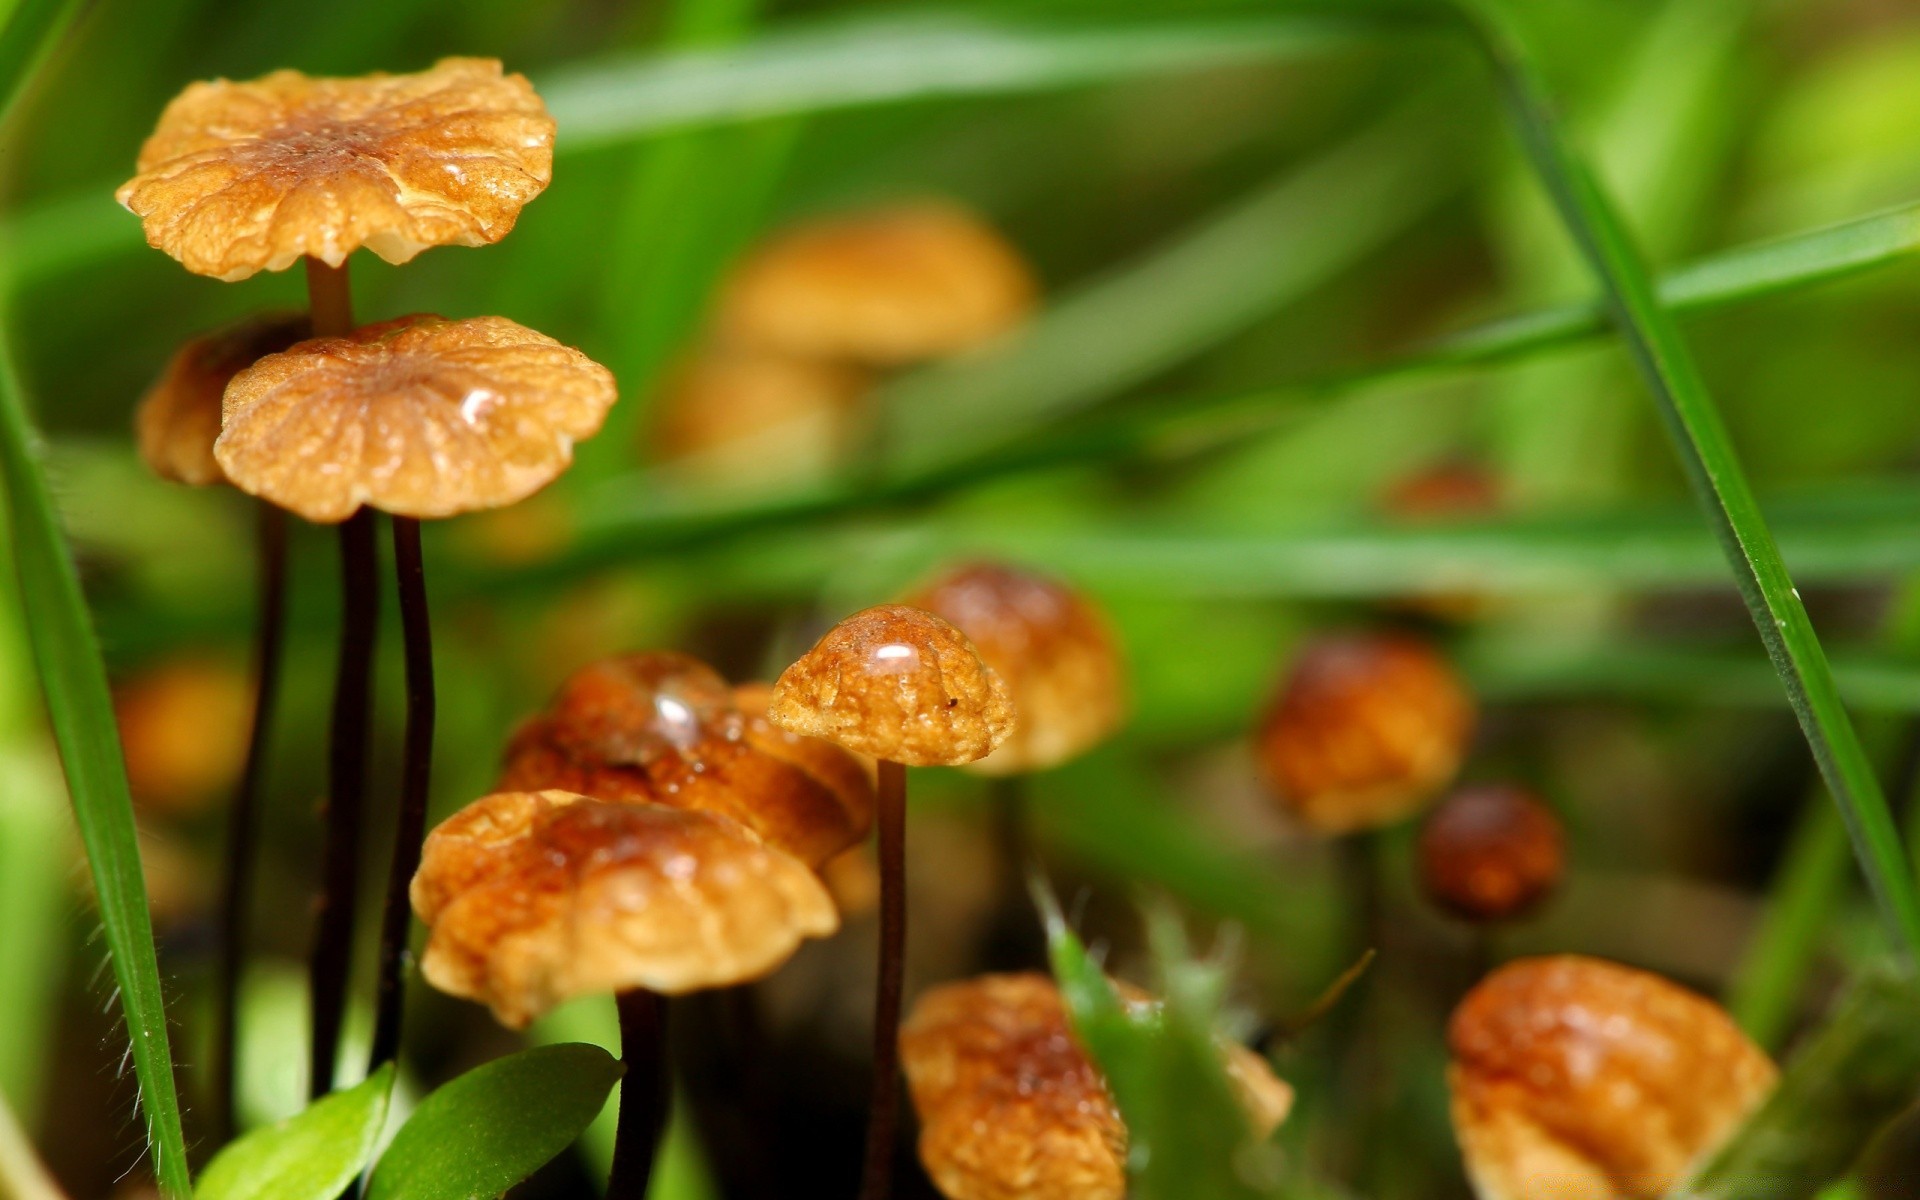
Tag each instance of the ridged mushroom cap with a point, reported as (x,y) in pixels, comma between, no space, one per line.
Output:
(896,683)
(532,898)
(179,417)
(420,417)
(251,176)
(1581,1079)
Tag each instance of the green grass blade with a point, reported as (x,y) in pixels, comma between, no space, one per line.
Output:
(1765,993)
(1713,468)
(31,30)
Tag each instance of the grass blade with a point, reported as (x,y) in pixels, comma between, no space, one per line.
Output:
(31,30)
(1713,468)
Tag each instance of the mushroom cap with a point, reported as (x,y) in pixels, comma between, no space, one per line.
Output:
(244,177)
(1054,649)
(665,728)
(1365,730)
(747,420)
(532,898)
(183,727)
(886,287)
(1578,1078)
(896,683)
(419,416)
(1011,1108)
(1491,853)
(179,417)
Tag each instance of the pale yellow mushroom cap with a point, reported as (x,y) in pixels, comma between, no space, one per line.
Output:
(179,417)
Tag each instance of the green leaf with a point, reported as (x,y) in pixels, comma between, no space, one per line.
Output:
(1853,1075)
(314,1155)
(491,1128)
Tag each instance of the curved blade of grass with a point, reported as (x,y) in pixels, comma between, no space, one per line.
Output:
(1667,367)
(27,36)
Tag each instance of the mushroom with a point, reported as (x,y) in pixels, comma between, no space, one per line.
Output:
(904,687)
(1448,492)
(887,288)
(532,898)
(1491,853)
(1578,1078)
(743,420)
(1011,1108)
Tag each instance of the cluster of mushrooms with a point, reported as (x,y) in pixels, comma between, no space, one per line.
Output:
(657,831)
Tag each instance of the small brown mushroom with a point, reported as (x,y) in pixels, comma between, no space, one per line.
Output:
(245,177)
(750,421)
(183,729)
(420,416)
(1053,648)
(179,417)
(888,287)
(1578,1078)
(1365,730)
(1491,853)
(1011,1108)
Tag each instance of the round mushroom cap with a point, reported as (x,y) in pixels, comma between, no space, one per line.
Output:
(888,287)
(420,417)
(1054,649)
(245,177)
(179,417)
(1578,1078)
(749,421)
(896,683)
(1010,1106)
(1366,729)
(1491,853)
(532,898)
(664,728)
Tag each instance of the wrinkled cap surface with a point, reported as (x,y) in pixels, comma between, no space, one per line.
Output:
(896,683)
(1491,853)
(1010,1106)
(532,898)
(245,177)
(751,422)
(665,728)
(419,417)
(888,287)
(1365,730)
(1053,648)
(179,417)
(1574,1077)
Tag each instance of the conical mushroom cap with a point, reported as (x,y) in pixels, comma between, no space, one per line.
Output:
(245,177)
(534,898)
(1053,648)
(887,288)
(1581,1078)
(179,417)
(899,684)
(420,417)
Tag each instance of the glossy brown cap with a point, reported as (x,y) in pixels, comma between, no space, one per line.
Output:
(179,417)
(245,177)
(1053,648)
(1365,730)
(419,417)
(1010,1106)
(1580,1078)
(665,728)
(1491,853)
(532,898)
(899,684)
(751,421)
(888,287)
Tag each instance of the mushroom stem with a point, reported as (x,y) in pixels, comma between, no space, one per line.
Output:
(346,803)
(396,919)
(643,1092)
(243,818)
(876,1179)
(329,299)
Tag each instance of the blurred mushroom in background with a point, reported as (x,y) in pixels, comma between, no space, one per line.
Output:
(1491,853)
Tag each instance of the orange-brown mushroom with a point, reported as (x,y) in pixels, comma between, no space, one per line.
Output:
(1053,648)
(1366,729)
(752,421)
(1011,1108)
(1578,1078)
(1491,853)
(183,727)
(887,287)
(251,176)
(420,416)
(179,417)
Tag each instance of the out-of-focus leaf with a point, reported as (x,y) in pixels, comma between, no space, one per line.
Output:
(22,1176)
(477,1136)
(313,1155)
(1856,1073)
(30,28)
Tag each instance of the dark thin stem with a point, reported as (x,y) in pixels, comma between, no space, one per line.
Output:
(876,1180)
(329,299)
(643,1093)
(397,918)
(243,819)
(347,794)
